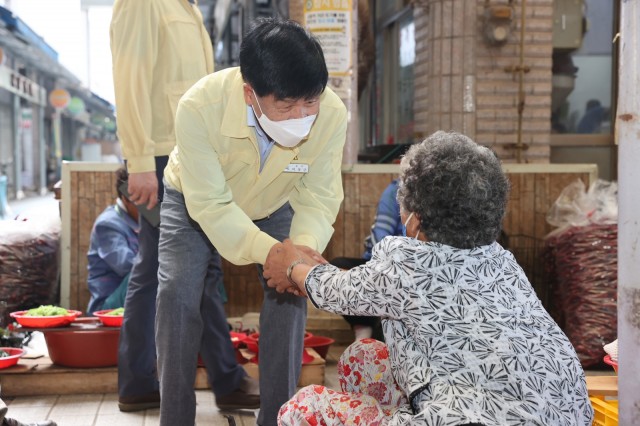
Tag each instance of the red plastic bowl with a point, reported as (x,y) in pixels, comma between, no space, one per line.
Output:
(237,338)
(109,320)
(83,347)
(320,344)
(45,322)
(607,360)
(12,359)
(306,357)
(252,341)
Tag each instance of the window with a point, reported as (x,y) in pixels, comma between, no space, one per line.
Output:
(394,73)
(584,84)
(583,67)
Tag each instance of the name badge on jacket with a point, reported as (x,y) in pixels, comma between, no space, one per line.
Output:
(297,168)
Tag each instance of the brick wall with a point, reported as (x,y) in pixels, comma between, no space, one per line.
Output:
(461,82)
(467,87)
(497,90)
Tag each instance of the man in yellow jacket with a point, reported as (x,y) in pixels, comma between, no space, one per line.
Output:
(258,159)
(160,48)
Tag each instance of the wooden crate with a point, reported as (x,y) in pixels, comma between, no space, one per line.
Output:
(87,189)
(311,373)
(41,377)
(602,386)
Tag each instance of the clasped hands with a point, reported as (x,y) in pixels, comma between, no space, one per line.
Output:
(280,258)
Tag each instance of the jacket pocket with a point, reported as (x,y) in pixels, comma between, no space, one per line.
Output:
(174,92)
(241,164)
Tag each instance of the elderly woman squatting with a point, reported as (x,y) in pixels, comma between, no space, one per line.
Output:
(468,341)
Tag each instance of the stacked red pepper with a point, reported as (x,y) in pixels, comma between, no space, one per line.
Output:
(582,263)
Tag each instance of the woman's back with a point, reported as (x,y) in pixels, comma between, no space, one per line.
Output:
(473,337)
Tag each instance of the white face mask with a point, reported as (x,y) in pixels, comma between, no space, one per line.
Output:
(287,133)
(406,222)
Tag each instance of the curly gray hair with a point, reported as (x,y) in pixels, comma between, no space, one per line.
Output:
(456,187)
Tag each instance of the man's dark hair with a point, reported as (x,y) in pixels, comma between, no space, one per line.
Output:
(121,177)
(281,58)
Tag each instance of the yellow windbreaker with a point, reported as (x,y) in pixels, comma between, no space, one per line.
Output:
(160,48)
(216,166)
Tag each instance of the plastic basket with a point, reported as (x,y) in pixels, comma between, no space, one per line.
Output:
(607,360)
(605,413)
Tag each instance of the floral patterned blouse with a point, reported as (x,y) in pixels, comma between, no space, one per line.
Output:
(469,339)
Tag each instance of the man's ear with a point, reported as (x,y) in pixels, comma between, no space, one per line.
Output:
(248,94)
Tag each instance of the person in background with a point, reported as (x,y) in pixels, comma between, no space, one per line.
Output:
(594,115)
(159,49)
(468,342)
(387,222)
(5,421)
(112,249)
(258,159)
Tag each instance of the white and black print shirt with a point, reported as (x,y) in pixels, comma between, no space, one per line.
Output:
(468,338)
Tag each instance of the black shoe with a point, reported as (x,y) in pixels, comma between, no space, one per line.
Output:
(13,422)
(128,404)
(245,397)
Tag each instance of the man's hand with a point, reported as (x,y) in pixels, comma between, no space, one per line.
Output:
(143,189)
(311,256)
(280,257)
(275,268)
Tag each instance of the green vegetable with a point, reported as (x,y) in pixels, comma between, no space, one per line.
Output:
(118,311)
(3,354)
(46,311)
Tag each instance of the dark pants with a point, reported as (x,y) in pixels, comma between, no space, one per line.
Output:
(137,349)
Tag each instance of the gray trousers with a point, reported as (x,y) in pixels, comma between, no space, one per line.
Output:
(184,253)
(137,372)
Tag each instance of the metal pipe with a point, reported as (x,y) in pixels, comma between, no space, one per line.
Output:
(17,147)
(521,71)
(627,134)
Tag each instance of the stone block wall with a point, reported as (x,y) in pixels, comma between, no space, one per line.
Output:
(466,84)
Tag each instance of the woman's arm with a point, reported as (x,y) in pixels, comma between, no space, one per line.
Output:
(373,289)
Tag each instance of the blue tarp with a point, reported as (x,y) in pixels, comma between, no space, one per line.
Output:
(18,26)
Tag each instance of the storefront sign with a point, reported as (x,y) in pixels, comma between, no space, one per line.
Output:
(75,106)
(59,98)
(21,86)
(330,22)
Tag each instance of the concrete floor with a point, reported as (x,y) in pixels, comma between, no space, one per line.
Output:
(102,409)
